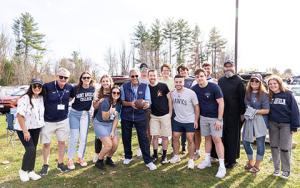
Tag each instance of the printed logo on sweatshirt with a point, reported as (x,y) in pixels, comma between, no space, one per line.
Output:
(279,101)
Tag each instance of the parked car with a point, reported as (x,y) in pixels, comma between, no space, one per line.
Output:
(9,98)
(296,91)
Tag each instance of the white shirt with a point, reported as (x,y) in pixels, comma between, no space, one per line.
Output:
(34,115)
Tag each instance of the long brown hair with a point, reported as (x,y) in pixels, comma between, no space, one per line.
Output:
(261,90)
(101,90)
(279,81)
(110,96)
(79,85)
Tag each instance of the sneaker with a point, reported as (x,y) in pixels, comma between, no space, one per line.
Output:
(23,175)
(33,176)
(109,162)
(127,161)
(71,165)
(62,168)
(175,159)
(196,156)
(45,169)
(154,158)
(221,172)
(138,152)
(82,162)
(285,175)
(151,166)
(95,157)
(99,164)
(276,173)
(204,164)
(214,160)
(164,160)
(191,164)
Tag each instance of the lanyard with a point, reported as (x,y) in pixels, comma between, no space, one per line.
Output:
(60,96)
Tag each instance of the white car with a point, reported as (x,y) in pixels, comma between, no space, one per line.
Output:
(296,91)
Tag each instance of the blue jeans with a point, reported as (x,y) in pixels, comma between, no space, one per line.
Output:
(141,129)
(260,148)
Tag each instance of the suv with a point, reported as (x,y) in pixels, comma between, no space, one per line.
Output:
(9,98)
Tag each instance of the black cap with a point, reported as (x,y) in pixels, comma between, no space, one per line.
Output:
(143,65)
(37,81)
(228,62)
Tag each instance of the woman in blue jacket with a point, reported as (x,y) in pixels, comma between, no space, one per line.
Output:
(284,121)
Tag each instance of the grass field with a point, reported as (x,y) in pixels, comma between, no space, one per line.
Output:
(136,174)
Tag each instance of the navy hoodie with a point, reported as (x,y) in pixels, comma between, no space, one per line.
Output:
(284,109)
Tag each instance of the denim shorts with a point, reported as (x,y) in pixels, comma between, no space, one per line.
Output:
(103,129)
(182,127)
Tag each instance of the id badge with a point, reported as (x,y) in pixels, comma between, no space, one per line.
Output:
(61,107)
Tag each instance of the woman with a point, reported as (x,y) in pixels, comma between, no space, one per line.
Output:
(105,125)
(257,102)
(284,121)
(104,91)
(30,119)
(79,118)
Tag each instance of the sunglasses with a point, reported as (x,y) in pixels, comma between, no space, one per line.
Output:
(254,80)
(86,78)
(134,76)
(37,86)
(63,77)
(116,93)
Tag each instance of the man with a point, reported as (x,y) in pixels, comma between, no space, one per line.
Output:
(165,70)
(144,73)
(211,103)
(234,94)
(161,112)
(185,104)
(56,99)
(132,116)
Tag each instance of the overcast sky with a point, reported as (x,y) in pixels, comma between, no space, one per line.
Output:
(268,32)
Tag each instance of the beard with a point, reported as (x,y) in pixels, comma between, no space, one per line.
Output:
(228,73)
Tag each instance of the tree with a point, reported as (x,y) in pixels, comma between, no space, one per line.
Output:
(125,60)
(111,61)
(4,50)
(183,39)
(169,34)
(216,45)
(142,42)
(29,45)
(197,52)
(156,42)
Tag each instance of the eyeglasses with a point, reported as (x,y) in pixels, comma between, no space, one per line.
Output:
(115,93)
(134,76)
(37,86)
(63,77)
(254,80)
(86,78)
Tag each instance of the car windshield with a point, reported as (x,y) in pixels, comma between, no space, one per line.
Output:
(296,91)
(19,92)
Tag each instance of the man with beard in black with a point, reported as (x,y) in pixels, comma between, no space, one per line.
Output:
(234,94)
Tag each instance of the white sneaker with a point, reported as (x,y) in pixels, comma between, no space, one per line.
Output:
(221,173)
(204,164)
(126,161)
(32,175)
(95,157)
(175,159)
(23,175)
(191,164)
(165,161)
(151,166)
(71,165)
(138,152)
(196,155)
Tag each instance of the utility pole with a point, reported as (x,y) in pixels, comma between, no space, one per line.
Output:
(236,34)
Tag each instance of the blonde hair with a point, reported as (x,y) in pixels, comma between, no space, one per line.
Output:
(279,81)
(101,93)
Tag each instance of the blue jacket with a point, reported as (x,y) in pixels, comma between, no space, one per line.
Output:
(128,113)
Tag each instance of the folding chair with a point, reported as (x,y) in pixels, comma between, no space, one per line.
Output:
(10,119)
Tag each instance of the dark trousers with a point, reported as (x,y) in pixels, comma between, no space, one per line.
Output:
(183,141)
(141,129)
(30,148)
(98,145)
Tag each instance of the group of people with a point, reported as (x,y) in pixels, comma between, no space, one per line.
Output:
(162,108)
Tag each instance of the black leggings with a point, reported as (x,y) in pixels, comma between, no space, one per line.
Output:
(30,148)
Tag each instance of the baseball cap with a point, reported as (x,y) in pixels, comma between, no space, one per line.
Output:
(228,62)
(37,81)
(143,66)
(63,72)
(256,76)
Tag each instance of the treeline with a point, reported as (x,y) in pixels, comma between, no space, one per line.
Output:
(171,41)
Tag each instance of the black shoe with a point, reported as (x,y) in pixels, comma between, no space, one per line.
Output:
(230,165)
(183,150)
(62,168)
(45,169)
(100,164)
(154,158)
(110,162)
